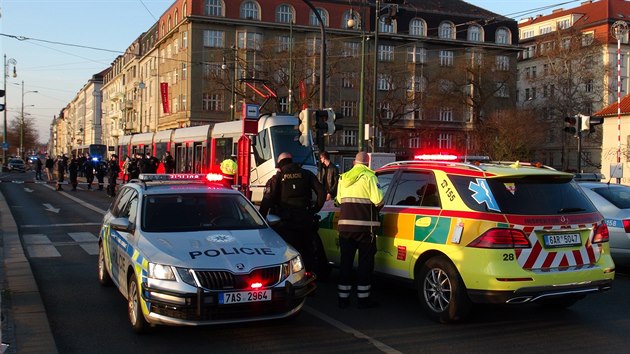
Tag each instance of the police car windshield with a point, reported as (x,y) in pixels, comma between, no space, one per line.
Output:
(198,212)
(286,139)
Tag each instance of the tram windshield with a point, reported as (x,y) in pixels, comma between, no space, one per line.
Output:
(285,138)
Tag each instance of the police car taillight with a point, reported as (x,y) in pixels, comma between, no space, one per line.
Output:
(501,238)
(601,233)
(626,225)
(214,177)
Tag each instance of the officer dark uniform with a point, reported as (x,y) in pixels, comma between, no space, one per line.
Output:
(112,174)
(288,194)
(360,198)
(73,170)
(169,163)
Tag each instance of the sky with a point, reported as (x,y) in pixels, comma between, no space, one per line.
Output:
(59,44)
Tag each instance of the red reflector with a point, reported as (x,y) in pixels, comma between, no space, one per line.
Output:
(601,233)
(214,177)
(626,225)
(256,285)
(501,238)
(515,279)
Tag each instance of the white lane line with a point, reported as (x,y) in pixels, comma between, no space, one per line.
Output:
(376,343)
(63,225)
(40,246)
(82,236)
(90,248)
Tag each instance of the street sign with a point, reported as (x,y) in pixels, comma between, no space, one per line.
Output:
(5,146)
(251,111)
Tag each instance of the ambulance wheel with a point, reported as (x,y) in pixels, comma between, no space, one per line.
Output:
(134,307)
(441,291)
(103,275)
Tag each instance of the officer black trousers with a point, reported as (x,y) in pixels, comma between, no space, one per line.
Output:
(350,243)
(302,240)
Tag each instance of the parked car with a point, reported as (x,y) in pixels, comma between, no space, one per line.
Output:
(192,253)
(16,165)
(613,201)
(492,232)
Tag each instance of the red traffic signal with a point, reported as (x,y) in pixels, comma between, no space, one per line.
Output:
(570,124)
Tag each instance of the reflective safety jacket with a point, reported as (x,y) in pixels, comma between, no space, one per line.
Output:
(360,196)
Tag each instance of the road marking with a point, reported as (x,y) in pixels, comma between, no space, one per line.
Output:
(39,246)
(82,236)
(49,207)
(378,344)
(63,225)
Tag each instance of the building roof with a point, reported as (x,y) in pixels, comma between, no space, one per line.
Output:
(611,110)
(590,11)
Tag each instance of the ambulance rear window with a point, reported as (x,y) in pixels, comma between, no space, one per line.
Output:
(523,195)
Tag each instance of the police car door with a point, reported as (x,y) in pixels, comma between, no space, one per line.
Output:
(121,242)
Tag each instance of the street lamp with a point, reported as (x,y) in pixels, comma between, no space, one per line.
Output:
(7,62)
(141,86)
(351,24)
(22,121)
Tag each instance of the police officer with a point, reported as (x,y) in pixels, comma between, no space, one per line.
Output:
(73,169)
(112,174)
(88,169)
(360,198)
(289,194)
(228,170)
(169,163)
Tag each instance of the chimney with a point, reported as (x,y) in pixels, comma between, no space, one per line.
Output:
(557,10)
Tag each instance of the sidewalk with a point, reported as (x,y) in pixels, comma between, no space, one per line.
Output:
(25,326)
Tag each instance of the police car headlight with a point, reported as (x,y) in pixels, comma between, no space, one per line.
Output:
(160,271)
(296,264)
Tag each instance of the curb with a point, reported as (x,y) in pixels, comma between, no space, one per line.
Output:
(23,312)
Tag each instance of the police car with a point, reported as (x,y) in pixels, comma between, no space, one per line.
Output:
(485,232)
(189,253)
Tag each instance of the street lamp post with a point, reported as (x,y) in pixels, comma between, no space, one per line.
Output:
(141,86)
(7,62)
(352,23)
(375,68)
(22,121)
(322,56)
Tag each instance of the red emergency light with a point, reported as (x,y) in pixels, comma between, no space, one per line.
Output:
(214,177)
(435,157)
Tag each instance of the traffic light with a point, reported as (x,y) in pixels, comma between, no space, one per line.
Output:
(330,122)
(321,127)
(571,124)
(305,126)
(595,121)
(584,122)
(1,105)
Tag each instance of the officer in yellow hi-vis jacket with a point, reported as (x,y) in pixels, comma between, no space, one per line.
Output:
(228,170)
(360,199)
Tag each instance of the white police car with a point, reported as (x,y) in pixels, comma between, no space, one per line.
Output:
(186,253)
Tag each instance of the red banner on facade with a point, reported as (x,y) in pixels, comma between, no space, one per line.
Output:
(164,93)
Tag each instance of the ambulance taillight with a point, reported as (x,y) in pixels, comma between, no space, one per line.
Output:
(501,238)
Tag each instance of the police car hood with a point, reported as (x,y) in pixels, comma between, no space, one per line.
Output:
(224,249)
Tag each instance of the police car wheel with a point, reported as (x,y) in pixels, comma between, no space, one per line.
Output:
(134,308)
(103,275)
(442,291)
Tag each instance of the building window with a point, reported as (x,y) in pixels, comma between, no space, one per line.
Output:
(502,36)
(348,79)
(564,24)
(283,102)
(313,21)
(349,137)
(184,71)
(250,10)
(416,55)
(503,90)
(214,8)
(386,111)
(212,102)
(413,142)
(416,84)
(417,27)
(475,33)
(351,49)
(384,82)
(529,52)
(446,114)
(386,25)
(284,14)
(545,30)
(446,30)
(503,63)
(349,108)
(185,39)
(446,57)
(284,43)
(385,52)
(445,141)
(213,39)
(588,85)
(249,40)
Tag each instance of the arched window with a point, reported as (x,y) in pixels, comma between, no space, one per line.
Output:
(214,8)
(387,26)
(417,27)
(285,13)
(475,33)
(184,8)
(503,36)
(169,24)
(446,30)
(176,17)
(351,15)
(313,21)
(250,10)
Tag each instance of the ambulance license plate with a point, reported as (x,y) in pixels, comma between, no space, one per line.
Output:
(562,240)
(244,296)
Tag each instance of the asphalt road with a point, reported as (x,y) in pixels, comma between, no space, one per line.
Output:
(58,232)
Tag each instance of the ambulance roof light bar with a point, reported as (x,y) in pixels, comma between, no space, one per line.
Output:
(450,157)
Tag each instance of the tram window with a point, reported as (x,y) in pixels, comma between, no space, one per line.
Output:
(223,150)
(262,147)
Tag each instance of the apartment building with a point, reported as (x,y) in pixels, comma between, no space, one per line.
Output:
(569,66)
(203,59)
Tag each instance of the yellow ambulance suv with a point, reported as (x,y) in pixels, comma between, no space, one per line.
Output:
(493,232)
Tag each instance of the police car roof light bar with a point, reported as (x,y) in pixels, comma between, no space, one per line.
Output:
(151,177)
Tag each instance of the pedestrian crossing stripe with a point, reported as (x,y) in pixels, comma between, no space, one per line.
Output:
(40,246)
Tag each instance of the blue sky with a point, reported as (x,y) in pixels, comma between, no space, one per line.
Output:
(59,71)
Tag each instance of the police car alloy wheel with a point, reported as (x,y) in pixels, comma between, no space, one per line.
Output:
(136,318)
(103,275)
(442,292)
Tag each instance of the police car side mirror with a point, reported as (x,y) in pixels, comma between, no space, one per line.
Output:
(273,219)
(121,224)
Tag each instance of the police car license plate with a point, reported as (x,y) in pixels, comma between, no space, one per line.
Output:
(562,240)
(244,296)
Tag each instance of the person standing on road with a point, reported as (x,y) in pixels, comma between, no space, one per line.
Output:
(133,168)
(112,175)
(38,168)
(360,199)
(50,164)
(73,170)
(169,163)
(61,170)
(328,175)
(88,169)
(101,171)
(289,194)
